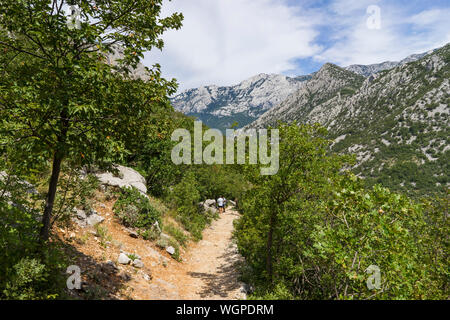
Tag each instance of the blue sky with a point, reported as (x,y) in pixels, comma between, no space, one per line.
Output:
(224,42)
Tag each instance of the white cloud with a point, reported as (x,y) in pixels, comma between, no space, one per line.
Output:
(225,41)
(400,35)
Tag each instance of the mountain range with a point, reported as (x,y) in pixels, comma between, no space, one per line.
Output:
(396,121)
(394,116)
(222,106)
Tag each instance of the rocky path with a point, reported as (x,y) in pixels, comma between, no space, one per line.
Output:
(208,269)
(210,265)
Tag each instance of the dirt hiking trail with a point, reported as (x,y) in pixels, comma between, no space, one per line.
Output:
(208,269)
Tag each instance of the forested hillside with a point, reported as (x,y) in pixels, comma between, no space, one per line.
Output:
(395,121)
(357,210)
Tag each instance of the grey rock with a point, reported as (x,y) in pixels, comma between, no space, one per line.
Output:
(92,212)
(210,202)
(90,219)
(80,223)
(94,219)
(132,233)
(123,259)
(127,178)
(138,263)
(147,277)
(170,250)
(208,205)
(80,214)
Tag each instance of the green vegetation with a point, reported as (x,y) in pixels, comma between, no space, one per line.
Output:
(26,270)
(102,233)
(134,210)
(309,232)
(63,107)
(176,233)
(312,230)
(61,100)
(186,197)
(397,124)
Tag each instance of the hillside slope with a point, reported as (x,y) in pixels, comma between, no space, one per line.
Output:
(207,269)
(327,83)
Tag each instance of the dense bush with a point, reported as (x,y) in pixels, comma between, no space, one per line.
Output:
(27,271)
(134,210)
(185,198)
(312,230)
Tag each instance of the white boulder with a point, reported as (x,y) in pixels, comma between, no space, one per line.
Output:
(123,259)
(127,178)
(170,250)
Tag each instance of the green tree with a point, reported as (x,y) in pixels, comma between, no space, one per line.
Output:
(275,200)
(312,230)
(59,98)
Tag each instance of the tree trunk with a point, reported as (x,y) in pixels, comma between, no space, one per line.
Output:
(51,195)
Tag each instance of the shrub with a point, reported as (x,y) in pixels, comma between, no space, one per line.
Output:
(134,210)
(21,286)
(312,231)
(27,270)
(176,233)
(185,197)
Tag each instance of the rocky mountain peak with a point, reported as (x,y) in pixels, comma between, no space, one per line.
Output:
(220,107)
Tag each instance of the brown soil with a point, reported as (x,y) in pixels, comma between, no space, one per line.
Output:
(208,269)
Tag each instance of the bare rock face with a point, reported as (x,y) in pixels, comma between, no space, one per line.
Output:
(219,107)
(324,85)
(127,177)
